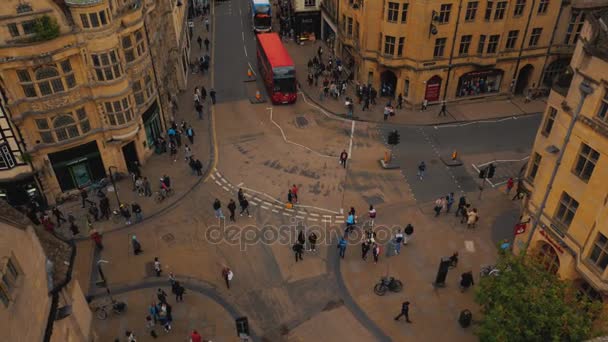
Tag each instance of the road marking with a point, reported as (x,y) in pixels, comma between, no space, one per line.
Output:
(226,188)
(218,183)
(274,211)
(301,212)
(218,174)
(245,49)
(350,144)
(312,219)
(243,35)
(224,180)
(286,214)
(278,206)
(474,122)
(265,207)
(300,217)
(313,214)
(212,176)
(504,161)
(253,203)
(469,245)
(251,68)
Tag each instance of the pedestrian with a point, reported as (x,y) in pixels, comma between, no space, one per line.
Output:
(199,110)
(153,312)
(198,166)
(217,207)
(466,280)
(150,326)
(312,240)
(443,110)
(187,153)
(157,267)
(172,279)
(421,169)
(350,107)
(232,209)
(199,40)
(342,247)
(136,245)
(298,248)
(465,213)
(350,222)
(398,241)
(179,292)
(425,104)
(409,231)
(472,218)
(343,158)
(203,93)
(73,227)
(130,336)
(207,24)
(376,252)
(136,209)
(372,215)
(240,195)
(405,312)
(190,134)
(212,95)
(294,193)
(449,202)
(462,202)
(58,216)
(438,206)
(195,337)
(126,213)
(227,274)
(147,187)
(400,101)
(96,237)
(444,203)
(301,238)
(289,196)
(244,203)
(510,184)
(161,295)
(207,44)
(84,195)
(365,247)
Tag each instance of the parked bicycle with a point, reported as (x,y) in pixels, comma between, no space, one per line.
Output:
(102,310)
(490,270)
(388,284)
(163,194)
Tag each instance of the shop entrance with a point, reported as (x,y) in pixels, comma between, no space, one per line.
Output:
(523,79)
(388,83)
(433,86)
(130,154)
(78,166)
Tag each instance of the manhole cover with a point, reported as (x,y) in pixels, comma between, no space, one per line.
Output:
(301,121)
(168,237)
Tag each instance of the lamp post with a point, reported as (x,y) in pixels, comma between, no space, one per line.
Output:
(102,275)
(113,183)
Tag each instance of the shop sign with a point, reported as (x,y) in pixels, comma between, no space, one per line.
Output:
(76,161)
(550,241)
(520,228)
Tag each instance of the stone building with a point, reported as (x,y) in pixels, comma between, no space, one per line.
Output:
(455,49)
(567,201)
(89,83)
(38,299)
(307,18)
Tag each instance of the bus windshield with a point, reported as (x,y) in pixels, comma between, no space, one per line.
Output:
(262,9)
(261,21)
(285,85)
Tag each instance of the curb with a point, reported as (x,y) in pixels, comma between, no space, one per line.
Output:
(355,118)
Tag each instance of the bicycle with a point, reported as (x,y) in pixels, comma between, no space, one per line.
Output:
(102,310)
(163,194)
(490,270)
(386,284)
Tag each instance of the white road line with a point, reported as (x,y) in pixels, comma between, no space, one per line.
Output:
(224,180)
(265,207)
(469,245)
(300,217)
(253,203)
(251,68)
(293,143)
(218,173)
(243,35)
(274,211)
(312,219)
(286,214)
(278,206)
(326,221)
(504,161)
(218,183)
(350,144)
(473,122)
(226,188)
(302,213)
(313,214)
(212,176)
(321,109)
(339,217)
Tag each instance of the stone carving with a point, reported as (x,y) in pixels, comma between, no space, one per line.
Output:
(60,101)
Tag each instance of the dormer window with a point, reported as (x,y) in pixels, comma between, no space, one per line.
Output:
(93,20)
(24,8)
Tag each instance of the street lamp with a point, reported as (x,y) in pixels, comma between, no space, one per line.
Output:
(113,183)
(104,282)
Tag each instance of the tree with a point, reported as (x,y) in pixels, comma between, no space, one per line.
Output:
(46,28)
(527,303)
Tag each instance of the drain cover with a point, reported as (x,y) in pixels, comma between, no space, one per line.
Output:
(301,121)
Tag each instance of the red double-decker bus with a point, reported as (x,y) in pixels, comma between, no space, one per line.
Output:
(277,69)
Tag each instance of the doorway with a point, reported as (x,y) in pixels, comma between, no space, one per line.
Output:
(433,86)
(523,79)
(130,154)
(388,83)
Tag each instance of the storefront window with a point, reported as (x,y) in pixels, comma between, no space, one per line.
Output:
(119,112)
(47,80)
(479,83)
(63,127)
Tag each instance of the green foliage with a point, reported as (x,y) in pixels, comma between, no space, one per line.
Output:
(527,303)
(46,28)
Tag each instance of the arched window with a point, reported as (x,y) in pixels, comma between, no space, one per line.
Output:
(49,81)
(548,258)
(65,127)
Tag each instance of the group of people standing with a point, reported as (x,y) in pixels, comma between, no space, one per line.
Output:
(243,203)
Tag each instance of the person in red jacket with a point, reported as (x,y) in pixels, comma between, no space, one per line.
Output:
(195,337)
(96,237)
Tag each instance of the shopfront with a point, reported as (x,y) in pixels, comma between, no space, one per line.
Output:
(151,119)
(78,166)
(479,82)
(307,24)
(21,191)
(432,89)
(328,30)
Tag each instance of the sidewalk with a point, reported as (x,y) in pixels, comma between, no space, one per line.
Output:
(157,165)
(473,110)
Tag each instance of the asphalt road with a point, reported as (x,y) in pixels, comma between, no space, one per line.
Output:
(477,141)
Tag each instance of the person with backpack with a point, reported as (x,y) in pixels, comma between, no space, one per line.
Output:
(376,252)
(398,241)
(466,281)
(136,245)
(409,231)
(350,223)
(342,247)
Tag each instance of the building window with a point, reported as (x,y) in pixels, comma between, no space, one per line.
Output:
(511,39)
(542,6)
(587,292)
(577,19)
(465,42)
(481,45)
(520,5)
(84,20)
(143,89)
(393,12)
(549,121)
(343,23)
(404,13)
(389,45)
(406,88)
(535,36)
(119,112)
(64,126)
(444,13)
(603,113)
(310,3)
(357,30)
(49,79)
(493,43)
(439,47)
(7,160)
(534,166)
(547,257)
(471,10)
(10,276)
(499,14)
(489,6)
(134,46)
(24,8)
(566,209)
(13,30)
(106,65)
(350,27)
(29,26)
(585,163)
(599,252)
(400,46)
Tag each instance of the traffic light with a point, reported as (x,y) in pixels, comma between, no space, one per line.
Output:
(483,172)
(394,138)
(491,170)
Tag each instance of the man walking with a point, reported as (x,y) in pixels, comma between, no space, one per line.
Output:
(294,193)
(232,209)
(157,267)
(298,248)
(147,187)
(200,42)
(442,111)
(136,209)
(398,241)
(405,311)
(421,169)
(342,247)
(179,292)
(343,158)
(244,203)
(190,134)
(364,249)
(136,245)
(312,240)
(212,95)
(217,207)
(207,44)
(207,24)
(227,275)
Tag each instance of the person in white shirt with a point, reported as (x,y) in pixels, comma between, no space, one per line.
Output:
(372,215)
